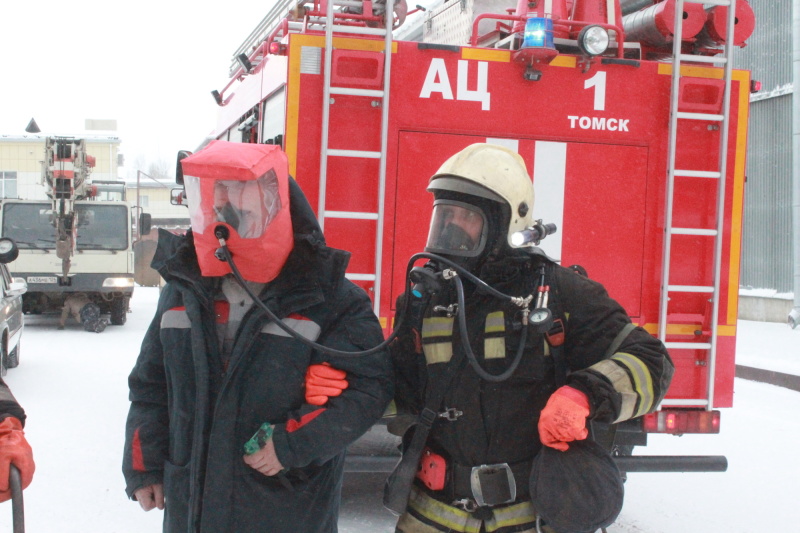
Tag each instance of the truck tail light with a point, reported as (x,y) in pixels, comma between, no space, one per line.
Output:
(679,421)
(277,49)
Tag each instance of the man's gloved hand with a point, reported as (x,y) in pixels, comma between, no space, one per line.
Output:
(14,449)
(563,419)
(322,382)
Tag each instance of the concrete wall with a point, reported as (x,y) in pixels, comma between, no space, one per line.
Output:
(764,309)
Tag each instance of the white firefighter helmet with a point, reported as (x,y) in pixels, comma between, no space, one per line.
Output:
(493,172)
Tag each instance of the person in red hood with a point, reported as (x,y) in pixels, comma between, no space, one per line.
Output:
(236,425)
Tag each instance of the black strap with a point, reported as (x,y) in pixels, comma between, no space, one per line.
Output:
(617,342)
(398,485)
(560,320)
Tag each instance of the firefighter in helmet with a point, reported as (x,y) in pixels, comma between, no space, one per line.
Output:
(235,424)
(583,363)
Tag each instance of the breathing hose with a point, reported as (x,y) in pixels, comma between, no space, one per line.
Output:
(224,254)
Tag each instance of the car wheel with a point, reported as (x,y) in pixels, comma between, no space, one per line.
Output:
(119,311)
(13,357)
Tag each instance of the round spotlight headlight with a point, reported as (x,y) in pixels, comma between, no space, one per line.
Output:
(593,40)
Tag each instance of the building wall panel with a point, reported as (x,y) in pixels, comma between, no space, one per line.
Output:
(767,234)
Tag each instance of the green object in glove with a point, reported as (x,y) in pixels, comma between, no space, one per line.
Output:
(259,440)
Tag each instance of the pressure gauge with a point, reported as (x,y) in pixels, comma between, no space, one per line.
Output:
(8,250)
(540,319)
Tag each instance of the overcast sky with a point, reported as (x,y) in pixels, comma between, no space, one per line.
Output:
(149,64)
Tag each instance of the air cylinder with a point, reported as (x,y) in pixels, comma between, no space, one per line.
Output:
(716,27)
(629,6)
(655,25)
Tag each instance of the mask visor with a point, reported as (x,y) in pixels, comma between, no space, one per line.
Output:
(247,206)
(457,229)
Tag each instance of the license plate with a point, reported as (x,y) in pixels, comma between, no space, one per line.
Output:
(42,279)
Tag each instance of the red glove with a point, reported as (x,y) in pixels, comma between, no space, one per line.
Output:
(14,449)
(322,382)
(563,419)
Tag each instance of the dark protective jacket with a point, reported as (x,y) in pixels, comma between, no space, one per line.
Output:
(191,414)
(498,421)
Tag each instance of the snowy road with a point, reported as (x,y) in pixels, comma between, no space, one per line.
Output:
(73,386)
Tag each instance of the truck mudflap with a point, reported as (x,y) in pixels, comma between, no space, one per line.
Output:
(672,463)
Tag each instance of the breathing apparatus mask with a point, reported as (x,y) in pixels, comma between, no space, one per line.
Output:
(457,228)
(240,192)
(483,197)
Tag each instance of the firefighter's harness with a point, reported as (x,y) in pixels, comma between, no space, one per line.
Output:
(477,489)
(484,495)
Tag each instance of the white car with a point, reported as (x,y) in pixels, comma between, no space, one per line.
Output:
(11,317)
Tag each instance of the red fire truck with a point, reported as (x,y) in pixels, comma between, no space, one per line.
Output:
(635,139)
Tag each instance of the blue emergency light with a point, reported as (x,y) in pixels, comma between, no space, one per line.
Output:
(538,33)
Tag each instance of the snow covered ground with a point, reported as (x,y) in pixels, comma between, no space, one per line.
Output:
(73,386)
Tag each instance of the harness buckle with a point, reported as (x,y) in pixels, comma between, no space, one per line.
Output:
(451,414)
(466,504)
(493,484)
(449,310)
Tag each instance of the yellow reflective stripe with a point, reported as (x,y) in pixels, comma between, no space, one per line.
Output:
(391,410)
(495,322)
(642,379)
(441,352)
(494,348)
(437,327)
(513,515)
(622,384)
(440,513)
(408,523)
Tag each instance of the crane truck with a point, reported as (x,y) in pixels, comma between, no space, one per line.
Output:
(76,241)
(629,114)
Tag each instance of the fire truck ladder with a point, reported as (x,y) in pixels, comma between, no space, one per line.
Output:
(723,120)
(326,151)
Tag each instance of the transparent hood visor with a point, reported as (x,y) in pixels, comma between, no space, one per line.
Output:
(457,229)
(247,206)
